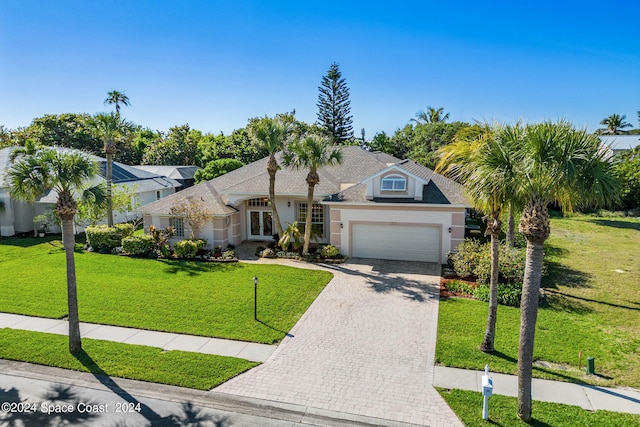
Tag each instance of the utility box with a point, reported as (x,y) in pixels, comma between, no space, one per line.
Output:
(591,365)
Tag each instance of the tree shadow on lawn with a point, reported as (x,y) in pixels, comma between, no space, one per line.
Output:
(194,268)
(27,242)
(191,415)
(616,224)
(386,279)
(610,304)
(558,274)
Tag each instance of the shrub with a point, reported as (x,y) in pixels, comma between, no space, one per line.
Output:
(125,229)
(460,287)
(474,259)
(143,245)
(508,294)
(103,238)
(188,248)
(229,254)
(329,251)
(268,253)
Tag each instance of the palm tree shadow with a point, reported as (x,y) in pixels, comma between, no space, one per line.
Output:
(616,224)
(557,274)
(35,416)
(190,416)
(386,279)
(86,360)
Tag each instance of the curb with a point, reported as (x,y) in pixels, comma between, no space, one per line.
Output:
(209,399)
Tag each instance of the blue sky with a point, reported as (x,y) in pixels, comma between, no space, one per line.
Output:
(215,64)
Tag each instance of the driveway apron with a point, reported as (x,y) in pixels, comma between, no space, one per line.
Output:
(366,346)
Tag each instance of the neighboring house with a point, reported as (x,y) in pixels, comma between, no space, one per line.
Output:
(185,175)
(18,216)
(373,205)
(618,143)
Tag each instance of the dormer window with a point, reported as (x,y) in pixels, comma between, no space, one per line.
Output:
(394,183)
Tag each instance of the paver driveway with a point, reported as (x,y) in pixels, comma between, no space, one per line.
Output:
(366,346)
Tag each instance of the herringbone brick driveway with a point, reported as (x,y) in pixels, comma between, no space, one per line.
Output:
(366,346)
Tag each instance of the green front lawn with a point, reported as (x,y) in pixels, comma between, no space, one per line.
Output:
(208,299)
(137,362)
(593,307)
(502,412)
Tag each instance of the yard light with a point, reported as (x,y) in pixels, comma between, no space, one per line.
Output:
(255,297)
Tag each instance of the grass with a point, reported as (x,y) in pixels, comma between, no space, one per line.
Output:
(593,307)
(209,299)
(502,412)
(179,368)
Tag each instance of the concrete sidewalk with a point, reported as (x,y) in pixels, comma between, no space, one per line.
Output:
(589,397)
(167,341)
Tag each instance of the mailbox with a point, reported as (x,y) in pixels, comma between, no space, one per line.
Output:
(487,392)
(487,386)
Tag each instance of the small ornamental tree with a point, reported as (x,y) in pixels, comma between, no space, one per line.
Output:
(195,212)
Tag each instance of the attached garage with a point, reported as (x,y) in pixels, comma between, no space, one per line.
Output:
(408,242)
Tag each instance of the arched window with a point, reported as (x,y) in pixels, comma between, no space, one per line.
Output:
(394,183)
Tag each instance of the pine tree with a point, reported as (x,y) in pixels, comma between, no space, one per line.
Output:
(334,107)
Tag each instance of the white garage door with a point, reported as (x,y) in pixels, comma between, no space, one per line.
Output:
(396,241)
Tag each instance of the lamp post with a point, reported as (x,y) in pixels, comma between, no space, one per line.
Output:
(255,297)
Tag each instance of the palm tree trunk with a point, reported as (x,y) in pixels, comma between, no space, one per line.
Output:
(511,228)
(75,344)
(489,336)
(272,197)
(307,220)
(109,182)
(528,317)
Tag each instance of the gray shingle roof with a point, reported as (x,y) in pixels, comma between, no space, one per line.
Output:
(205,191)
(338,183)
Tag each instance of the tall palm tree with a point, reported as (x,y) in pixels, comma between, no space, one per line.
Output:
(567,166)
(271,134)
(108,127)
(615,124)
(485,158)
(431,115)
(30,147)
(311,152)
(65,173)
(116,98)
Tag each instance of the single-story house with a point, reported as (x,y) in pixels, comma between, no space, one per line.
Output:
(373,205)
(185,175)
(18,216)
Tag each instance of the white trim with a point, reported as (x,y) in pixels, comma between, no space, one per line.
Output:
(399,169)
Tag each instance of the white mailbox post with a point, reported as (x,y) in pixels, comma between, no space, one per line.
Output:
(487,392)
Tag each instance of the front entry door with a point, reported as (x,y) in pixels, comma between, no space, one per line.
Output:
(260,225)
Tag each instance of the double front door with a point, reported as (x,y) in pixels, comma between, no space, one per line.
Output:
(260,225)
